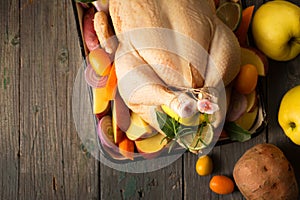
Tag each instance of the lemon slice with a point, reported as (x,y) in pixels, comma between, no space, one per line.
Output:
(231,14)
(200,140)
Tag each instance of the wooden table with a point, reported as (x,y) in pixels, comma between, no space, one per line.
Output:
(41,154)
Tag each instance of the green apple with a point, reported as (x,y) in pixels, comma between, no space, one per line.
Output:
(276,30)
(289,114)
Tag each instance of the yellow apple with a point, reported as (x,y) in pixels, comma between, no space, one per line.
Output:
(100,104)
(276,29)
(138,128)
(289,114)
(251,101)
(118,132)
(152,146)
(255,57)
(247,120)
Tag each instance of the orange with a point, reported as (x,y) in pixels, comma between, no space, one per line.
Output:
(99,60)
(221,184)
(204,165)
(246,80)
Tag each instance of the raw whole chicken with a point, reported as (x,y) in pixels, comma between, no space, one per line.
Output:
(167,47)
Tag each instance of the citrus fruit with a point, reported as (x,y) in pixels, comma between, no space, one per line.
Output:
(99,60)
(246,80)
(203,138)
(230,14)
(204,165)
(221,184)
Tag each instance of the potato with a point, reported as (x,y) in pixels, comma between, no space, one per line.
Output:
(263,172)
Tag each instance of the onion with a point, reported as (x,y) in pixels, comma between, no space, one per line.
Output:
(93,79)
(237,107)
(115,155)
(101,5)
(105,133)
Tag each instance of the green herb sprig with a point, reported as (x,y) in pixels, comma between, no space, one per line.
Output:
(175,131)
(237,133)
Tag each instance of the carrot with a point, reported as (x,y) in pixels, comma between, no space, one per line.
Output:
(111,84)
(126,148)
(107,71)
(241,32)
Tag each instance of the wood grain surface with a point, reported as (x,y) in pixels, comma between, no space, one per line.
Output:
(42,156)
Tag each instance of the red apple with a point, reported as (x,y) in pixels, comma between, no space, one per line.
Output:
(237,106)
(120,118)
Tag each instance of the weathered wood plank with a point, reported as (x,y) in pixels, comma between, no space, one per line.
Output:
(9,99)
(52,165)
(165,183)
(224,158)
(42,156)
(80,168)
(282,76)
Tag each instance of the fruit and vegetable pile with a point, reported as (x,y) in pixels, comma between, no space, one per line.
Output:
(263,171)
(124,133)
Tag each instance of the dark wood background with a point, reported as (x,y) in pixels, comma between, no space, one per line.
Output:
(41,154)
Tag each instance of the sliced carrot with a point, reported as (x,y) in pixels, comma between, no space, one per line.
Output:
(126,148)
(242,31)
(111,84)
(107,71)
